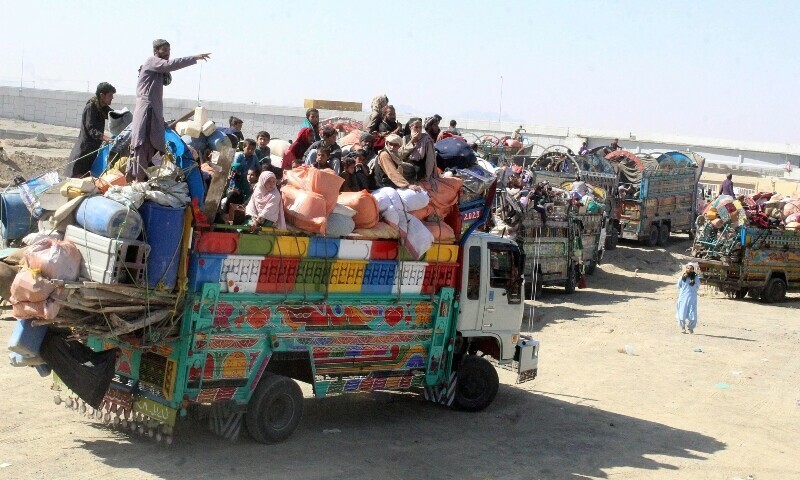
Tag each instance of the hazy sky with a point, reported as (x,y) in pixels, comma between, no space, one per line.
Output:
(723,69)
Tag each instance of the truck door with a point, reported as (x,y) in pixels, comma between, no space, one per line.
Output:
(503,291)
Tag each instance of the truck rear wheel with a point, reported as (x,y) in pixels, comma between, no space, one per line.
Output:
(572,279)
(652,236)
(476,385)
(589,266)
(775,291)
(275,409)
(613,238)
(663,235)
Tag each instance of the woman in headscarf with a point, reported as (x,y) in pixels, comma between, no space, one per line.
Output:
(305,137)
(265,207)
(390,170)
(312,122)
(688,286)
(418,150)
(373,120)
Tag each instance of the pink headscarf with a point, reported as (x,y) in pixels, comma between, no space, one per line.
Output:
(266,203)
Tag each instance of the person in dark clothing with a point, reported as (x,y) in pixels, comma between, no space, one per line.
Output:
(349,175)
(322,157)
(91,137)
(614,146)
(328,140)
(453,130)
(363,175)
(431,126)
(235,129)
(389,123)
(262,148)
(726,187)
(584,148)
(312,122)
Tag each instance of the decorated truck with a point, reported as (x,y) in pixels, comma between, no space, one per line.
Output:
(548,235)
(559,167)
(252,312)
(553,252)
(656,195)
(741,250)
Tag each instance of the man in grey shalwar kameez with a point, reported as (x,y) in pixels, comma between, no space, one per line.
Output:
(147,129)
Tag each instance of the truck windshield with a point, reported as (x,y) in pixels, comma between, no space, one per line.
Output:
(505,273)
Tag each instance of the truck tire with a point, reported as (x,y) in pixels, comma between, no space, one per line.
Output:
(739,294)
(613,238)
(651,240)
(663,235)
(476,385)
(589,266)
(572,280)
(775,291)
(275,409)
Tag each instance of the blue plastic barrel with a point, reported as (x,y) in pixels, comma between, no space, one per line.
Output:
(163,229)
(108,218)
(217,140)
(197,187)
(15,217)
(26,339)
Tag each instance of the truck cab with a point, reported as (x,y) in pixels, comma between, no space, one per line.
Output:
(491,304)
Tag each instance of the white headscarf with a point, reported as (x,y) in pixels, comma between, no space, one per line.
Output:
(266,203)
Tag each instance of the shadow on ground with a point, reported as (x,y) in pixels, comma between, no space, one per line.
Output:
(391,436)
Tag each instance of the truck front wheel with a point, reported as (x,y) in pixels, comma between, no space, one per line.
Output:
(476,384)
(275,409)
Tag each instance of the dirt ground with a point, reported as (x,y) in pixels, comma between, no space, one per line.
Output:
(29,149)
(723,403)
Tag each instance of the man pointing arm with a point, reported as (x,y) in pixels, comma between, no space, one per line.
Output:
(147,130)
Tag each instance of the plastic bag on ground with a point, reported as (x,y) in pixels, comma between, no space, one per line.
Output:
(55,259)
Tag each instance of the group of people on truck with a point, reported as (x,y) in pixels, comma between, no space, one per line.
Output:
(387,153)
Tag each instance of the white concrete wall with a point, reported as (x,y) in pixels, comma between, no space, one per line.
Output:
(64,108)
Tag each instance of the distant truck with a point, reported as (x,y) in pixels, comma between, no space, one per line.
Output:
(759,262)
(561,168)
(553,253)
(657,196)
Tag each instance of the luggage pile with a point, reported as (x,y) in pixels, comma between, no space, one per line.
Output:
(720,227)
(97,257)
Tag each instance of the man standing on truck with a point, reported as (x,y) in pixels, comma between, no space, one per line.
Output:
(147,129)
(726,187)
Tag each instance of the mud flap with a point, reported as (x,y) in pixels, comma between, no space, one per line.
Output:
(86,372)
(442,394)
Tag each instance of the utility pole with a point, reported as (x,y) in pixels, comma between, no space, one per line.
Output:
(500,116)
